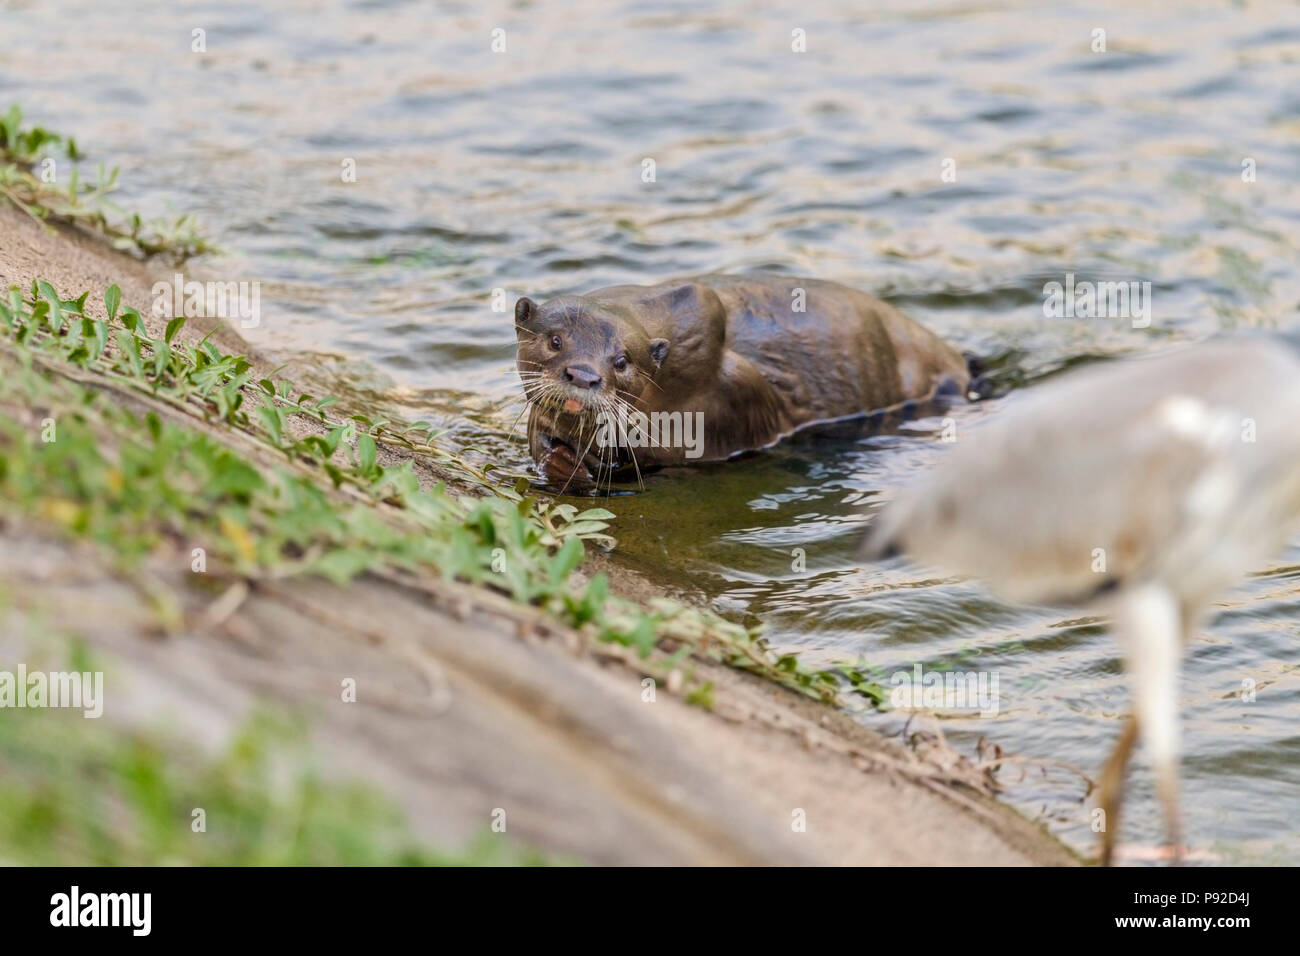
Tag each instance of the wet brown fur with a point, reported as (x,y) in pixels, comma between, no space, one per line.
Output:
(732,347)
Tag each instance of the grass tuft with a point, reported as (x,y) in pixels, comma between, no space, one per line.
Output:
(30,157)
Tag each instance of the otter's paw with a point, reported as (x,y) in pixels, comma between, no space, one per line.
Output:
(562,467)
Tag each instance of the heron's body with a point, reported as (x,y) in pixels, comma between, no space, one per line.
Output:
(1144,487)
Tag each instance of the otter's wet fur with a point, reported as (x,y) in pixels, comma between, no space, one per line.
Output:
(734,348)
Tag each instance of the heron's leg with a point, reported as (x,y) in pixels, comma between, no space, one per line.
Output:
(1151,624)
(1110,790)
(1173,826)
(1192,619)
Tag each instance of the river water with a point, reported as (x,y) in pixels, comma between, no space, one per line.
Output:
(521,170)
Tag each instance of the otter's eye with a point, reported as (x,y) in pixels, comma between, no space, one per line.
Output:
(556,343)
(620,363)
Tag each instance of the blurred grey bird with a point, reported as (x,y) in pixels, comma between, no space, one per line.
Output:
(1141,487)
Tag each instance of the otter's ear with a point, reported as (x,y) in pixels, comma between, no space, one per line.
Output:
(658,351)
(525,311)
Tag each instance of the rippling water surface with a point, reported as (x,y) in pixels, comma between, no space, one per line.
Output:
(522,171)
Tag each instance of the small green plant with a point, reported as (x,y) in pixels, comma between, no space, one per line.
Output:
(28,145)
(79,203)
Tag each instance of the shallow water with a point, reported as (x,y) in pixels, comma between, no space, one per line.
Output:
(522,171)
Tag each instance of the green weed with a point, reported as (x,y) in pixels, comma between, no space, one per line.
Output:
(81,203)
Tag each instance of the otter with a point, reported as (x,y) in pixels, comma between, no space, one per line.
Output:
(618,380)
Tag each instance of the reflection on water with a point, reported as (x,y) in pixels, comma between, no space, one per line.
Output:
(521,171)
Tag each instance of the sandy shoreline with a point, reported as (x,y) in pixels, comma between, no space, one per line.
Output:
(481,704)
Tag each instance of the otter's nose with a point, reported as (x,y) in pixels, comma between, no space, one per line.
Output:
(583,376)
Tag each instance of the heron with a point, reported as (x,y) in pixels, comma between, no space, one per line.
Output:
(1140,488)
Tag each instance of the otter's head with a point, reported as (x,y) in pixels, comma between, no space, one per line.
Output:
(577,359)
(581,362)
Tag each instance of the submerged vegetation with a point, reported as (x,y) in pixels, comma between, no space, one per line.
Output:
(30,179)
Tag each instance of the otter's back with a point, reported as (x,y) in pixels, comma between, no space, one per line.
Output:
(830,349)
